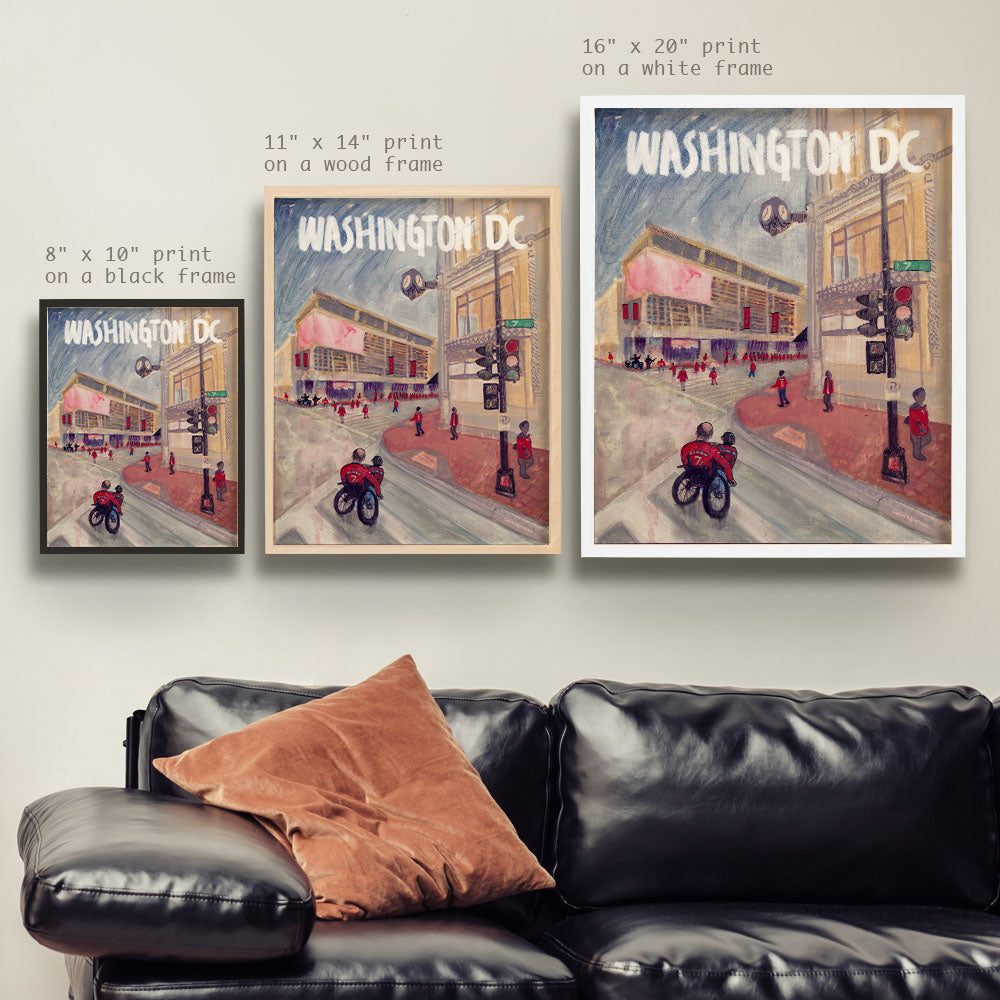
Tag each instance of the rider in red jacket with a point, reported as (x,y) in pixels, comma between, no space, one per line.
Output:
(702,453)
(356,473)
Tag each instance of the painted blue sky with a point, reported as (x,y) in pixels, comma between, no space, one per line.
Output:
(715,209)
(367,278)
(110,362)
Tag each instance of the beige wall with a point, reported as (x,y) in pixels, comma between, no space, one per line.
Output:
(175,157)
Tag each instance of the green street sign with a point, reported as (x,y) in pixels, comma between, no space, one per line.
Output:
(217,393)
(514,323)
(911,265)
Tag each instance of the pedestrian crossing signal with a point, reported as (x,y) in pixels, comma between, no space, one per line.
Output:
(491,396)
(194,421)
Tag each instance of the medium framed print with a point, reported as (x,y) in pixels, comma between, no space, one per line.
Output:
(773,326)
(412,370)
(141,425)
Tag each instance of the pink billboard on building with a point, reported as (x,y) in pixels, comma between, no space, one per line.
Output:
(655,274)
(78,398)
(320,329)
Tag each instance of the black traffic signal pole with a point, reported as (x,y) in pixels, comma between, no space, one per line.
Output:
(505,479)
(207,502)
(896,472)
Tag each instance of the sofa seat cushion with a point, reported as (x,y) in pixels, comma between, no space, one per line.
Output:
(725,951)
(434,954)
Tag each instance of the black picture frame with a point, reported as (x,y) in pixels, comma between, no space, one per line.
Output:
(46,546)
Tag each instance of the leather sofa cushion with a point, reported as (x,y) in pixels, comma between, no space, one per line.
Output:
(739,951)
(671,794)
(111,871)
(505,735)
(444,955)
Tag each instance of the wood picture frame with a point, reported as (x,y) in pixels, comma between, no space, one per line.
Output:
(381,302)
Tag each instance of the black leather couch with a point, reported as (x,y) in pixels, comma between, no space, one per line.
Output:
(706,844)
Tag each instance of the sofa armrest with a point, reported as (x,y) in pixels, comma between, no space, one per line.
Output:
(114,871)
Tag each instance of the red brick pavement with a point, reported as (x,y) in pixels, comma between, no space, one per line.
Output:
(472,462)
(850,440)
(183,490)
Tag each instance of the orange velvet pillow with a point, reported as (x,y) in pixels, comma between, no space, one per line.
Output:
(373,796)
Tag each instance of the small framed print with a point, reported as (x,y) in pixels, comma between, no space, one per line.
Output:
(773,326)
(141,430)
(412,370)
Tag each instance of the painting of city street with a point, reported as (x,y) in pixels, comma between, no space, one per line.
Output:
(413,344)
(773,335)
(141,425)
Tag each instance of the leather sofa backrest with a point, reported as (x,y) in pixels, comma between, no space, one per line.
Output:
(684,793)
(993,742)
(506,736)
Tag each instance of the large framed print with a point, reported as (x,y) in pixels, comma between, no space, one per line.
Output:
(412,370)
(141,425)
(773,326)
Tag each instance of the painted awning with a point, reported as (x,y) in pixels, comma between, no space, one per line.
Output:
(320,329)
(656,274)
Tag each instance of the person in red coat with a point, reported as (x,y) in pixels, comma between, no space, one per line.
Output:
(453,423)
(753,370)
(714,376)
(418,419)
(828,392)
(682,377)
(522,446)
(341,413)
(364,411)
(172,464)
(220,481)
(781,384)
(919,423)
(703,453)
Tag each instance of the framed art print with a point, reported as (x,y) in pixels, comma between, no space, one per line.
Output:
(773,326)
(141,425)
(412,370)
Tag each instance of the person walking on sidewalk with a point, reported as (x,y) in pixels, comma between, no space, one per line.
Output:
(418,419)
(220,481)
(453,423)
(522,445)
(341,412)
(920,425)
(682,377)
(171,463)
(147,460)
(753,369)
(395,405)
(364,411)
(781,384)
(714,376)
(828,392)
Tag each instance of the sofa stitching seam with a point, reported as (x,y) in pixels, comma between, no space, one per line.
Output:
(166,894)
(977,696)
(656,970)
(371,983)
(137,941)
